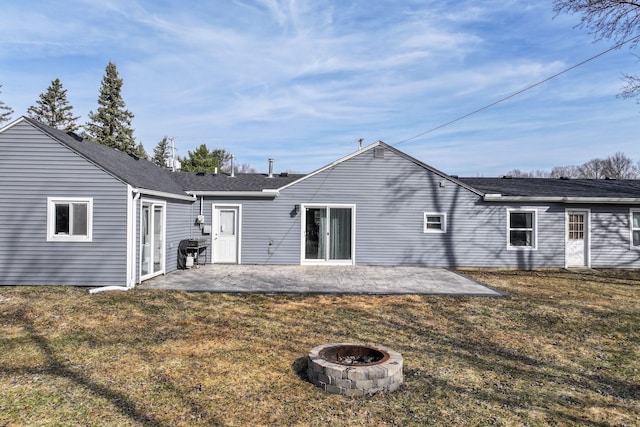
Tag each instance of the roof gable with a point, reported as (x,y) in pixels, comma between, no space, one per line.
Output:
(139,173)
(380,144)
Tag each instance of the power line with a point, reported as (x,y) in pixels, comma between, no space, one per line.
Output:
(519,91)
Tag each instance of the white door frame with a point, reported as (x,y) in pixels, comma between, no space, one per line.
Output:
(214,229)
(303,225)
(163,237)
(587,236)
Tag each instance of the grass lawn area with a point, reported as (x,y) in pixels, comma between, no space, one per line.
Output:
(563,350)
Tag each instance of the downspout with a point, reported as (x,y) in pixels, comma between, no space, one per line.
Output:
(131,250)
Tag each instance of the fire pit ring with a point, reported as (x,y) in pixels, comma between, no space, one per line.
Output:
(355,369)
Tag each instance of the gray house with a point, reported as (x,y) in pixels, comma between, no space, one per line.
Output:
(78,213)
(379,206)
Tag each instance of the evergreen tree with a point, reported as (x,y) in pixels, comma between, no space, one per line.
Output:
(203,160)
(5,111)
(140,151)
(111,124)
(161,153)
(53,109)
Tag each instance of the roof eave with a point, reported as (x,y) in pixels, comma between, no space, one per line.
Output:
(221,193)
(562,199)
(165,195)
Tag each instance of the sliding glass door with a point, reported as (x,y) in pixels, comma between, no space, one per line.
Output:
(328,234)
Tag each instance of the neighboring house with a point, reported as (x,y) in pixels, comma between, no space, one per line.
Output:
(78,213)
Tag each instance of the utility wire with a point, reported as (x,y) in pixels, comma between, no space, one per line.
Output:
(519,91)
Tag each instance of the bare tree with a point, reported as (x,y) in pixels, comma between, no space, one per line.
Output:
(620,166)
(618,20)
(565,172)
(517,173)
(5,111)
(245,168)
(541,173)
(606,19)
(593,169)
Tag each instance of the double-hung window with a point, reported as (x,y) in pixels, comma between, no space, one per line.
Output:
(521,233)
(69,219)
(435,222)
(635,227)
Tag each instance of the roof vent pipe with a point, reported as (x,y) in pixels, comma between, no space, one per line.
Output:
(270,168)
(233,166)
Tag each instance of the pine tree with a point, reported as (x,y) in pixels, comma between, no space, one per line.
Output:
(5,111)
(53,109)
(203,160)
(111,124)
(161,153)
(140,151)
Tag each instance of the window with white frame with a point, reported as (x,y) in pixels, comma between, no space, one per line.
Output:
(69,219)
(635,227)
(521,229)
(435,222)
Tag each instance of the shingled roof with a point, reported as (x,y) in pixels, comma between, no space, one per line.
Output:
(145,175)
(139,173)
(557,188)
(241,182)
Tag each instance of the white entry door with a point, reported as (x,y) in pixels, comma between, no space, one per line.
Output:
(577,238)
(226,231)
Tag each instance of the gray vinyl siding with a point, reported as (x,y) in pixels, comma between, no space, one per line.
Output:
(611,238)
(391,195)
(178,228)
(32,168)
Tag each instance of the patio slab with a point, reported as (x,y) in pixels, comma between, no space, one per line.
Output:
(320,279)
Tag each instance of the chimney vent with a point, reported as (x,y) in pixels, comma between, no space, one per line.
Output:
(270,169)
(233,166)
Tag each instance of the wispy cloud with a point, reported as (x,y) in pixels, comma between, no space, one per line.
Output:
(304,79)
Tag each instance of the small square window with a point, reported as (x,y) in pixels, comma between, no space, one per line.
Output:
(69,220)
(435,222)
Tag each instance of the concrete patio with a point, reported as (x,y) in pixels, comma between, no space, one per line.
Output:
(320,279)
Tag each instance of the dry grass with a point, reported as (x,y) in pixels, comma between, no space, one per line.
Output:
(564,350)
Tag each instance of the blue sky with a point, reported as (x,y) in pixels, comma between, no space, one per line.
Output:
(302,81)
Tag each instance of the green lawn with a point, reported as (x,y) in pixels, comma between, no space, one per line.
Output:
(563,350)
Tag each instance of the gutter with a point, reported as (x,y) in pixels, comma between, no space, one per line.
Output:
(560,199)
(190,197)
(264,193)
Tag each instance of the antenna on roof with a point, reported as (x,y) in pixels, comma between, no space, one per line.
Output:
(172,162)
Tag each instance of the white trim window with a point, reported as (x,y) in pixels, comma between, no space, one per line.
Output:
(521,228)
(435,222)
(635,228)
(69,219)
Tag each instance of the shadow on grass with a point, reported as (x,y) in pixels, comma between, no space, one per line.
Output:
(299,367)
(55,366)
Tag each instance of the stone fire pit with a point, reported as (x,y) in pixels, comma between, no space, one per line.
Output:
(355,369)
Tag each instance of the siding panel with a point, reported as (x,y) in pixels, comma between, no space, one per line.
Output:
(32,168)
(391,195)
